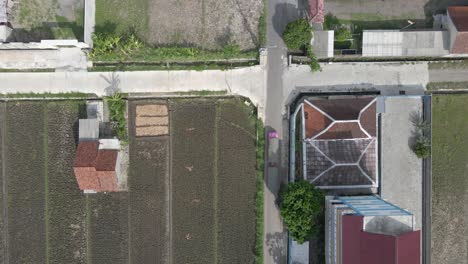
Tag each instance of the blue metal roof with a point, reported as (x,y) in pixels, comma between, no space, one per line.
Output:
(372,206)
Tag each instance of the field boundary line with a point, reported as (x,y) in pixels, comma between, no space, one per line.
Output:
(215,182)
(87,227)
(169,189)
(4,186)
(45,142)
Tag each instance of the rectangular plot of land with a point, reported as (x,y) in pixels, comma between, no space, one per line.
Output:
(2,156)
(108,236)
(67,233)
(236,186)
(151,110)
(151,120)
(193,224)
(149,206)
(26,182)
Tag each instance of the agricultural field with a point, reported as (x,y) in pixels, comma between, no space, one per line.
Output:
(33,20)
(191,196)
(207,24)
(449,179)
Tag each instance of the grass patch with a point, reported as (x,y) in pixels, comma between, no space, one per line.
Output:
(260,156)
(174,54)
(262,26)
(448,65)
(47,95)
(117,110)
(440,86)
(169,67)
(28,70)
(121,17)
(449,177)
(203,93)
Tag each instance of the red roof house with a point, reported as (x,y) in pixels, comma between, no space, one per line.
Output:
(362,247)
(95,169)
(340,140)
(458,28)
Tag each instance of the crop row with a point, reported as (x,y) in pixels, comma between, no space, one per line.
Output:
(66,203)
(236,185)
(26,182)
(193,182)
(2,220)
(108,228)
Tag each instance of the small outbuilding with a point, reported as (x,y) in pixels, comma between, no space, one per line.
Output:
(457,24)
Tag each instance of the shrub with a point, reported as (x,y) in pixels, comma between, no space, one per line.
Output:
(314,65)
(301,206)
(331,22)
(117,109)
(297,34)
(342,33)
(422,148)
(105,44)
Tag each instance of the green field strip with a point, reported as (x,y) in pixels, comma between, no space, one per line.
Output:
(148,234)
(25,168)
(216,183)
(237,184)
(193,179)
(88,233)
(66,203)
(46,186)
(109,227)
(3,205)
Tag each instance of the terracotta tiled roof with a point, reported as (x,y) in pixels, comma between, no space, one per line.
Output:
(107,181)
(105,160)
(343,131)
(343,109)
(341,141)
(315,121)
(459,16)
(86,154)
(460,45)
(95,169)
(368,119)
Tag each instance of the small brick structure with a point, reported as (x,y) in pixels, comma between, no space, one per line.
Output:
(97,164)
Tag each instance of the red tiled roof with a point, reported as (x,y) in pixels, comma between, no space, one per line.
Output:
(343,109)
(368,119)
(315,121)
(105,160)
(362,247)
(343,131)
(85,176)
(107,181)
(460,45)
(459,16)
(95,169)
(86,154)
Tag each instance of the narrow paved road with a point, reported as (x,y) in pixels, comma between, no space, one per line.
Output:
(279,13)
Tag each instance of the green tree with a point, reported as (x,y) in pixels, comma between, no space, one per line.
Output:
(297,34)
(301,205)
(422,148)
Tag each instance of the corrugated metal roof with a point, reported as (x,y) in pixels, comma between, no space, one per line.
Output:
(88,129)
(372,206)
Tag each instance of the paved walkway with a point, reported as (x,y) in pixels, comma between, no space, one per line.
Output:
(248,82)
